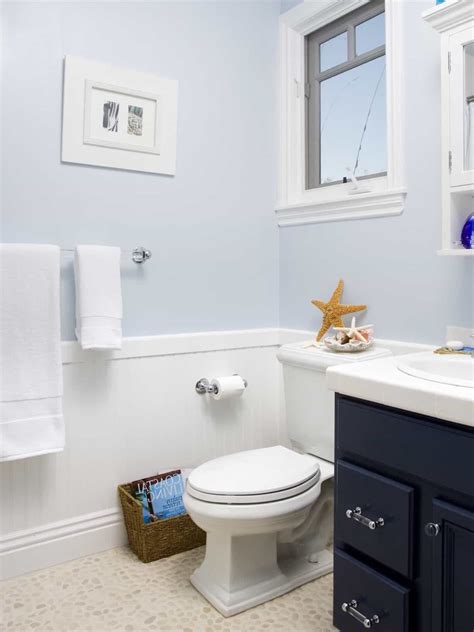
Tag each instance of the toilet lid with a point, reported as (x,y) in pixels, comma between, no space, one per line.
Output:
(254,476)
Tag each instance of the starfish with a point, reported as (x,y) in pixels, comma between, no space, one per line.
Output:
(333,310)
(353,331)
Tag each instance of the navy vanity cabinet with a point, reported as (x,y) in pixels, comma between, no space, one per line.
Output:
(404,519)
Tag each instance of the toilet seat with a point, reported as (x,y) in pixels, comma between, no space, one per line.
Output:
(254,477)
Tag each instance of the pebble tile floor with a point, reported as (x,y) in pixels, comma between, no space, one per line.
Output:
(115,591)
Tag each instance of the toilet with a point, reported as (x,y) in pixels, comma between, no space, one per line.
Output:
(268,512)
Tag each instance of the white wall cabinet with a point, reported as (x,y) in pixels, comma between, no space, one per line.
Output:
(454,20)
(461,106)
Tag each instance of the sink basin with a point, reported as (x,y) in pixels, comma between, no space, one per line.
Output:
(456,370)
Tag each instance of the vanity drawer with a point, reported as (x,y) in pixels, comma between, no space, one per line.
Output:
(433,451)
(374,514)
(361,593)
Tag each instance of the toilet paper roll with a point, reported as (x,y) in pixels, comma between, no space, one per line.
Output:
(227,387)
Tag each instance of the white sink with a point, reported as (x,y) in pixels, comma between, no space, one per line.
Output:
(456,370)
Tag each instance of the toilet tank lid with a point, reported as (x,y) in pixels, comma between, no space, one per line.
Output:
(260,471)
(303,354)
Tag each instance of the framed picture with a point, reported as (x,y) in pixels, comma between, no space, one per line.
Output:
(121,118)
(118,118)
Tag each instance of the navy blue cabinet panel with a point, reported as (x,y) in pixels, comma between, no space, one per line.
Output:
(453,569)
(374,514)
(441,454)
(417,474)
(364,598)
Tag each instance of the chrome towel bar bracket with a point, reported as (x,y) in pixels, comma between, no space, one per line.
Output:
(141,254)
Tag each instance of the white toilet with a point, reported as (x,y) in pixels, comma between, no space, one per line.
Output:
(268,512)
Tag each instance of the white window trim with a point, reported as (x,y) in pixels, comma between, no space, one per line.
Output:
(297,205)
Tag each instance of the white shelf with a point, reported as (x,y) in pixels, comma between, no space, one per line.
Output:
(458,252)
(449,14)
(466,188)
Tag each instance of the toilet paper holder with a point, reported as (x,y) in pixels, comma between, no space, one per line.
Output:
(203,386)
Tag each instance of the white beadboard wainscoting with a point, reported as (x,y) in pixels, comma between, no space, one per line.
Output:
(128,414)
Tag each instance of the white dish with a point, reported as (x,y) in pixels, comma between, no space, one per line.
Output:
(348,347)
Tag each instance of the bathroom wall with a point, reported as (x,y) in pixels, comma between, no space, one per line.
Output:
(390,263)
(214,267)
(128,415)
(211,227)
(286,5)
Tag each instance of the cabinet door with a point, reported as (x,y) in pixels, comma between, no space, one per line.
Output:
(461,107)
(453,569)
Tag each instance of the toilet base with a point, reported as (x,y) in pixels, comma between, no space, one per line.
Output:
(293,572)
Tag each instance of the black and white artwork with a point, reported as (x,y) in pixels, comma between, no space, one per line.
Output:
(135,120)
(110,117)
(118,117)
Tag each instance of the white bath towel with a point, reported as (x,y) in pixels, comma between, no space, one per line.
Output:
(98,297)
(31,420)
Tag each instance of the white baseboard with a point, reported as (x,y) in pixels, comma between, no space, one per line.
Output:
(34,549)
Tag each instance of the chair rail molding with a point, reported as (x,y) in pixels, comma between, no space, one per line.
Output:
(296,204)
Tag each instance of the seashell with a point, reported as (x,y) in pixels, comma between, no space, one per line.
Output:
(342,338)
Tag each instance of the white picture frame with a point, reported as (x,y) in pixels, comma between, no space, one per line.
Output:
(118,118)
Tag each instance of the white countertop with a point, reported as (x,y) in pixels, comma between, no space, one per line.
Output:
(382,382)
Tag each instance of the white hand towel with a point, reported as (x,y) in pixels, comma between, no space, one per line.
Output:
(98,297)
(31,420)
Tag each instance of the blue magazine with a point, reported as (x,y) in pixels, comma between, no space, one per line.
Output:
(167,496)
(161,496)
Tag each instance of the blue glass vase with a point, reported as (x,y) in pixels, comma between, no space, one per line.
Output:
(467,233)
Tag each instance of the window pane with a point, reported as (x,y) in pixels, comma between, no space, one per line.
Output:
(370,34)
(353,123)
(333,52)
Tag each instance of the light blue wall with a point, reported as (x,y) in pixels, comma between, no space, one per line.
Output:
(390,264)
(211,228)
(286,5)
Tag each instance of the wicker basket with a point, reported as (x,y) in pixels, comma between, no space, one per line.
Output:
(161,538)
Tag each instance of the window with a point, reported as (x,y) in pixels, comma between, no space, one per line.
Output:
(341,111)
(345,90)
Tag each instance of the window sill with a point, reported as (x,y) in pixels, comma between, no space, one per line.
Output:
(359,206)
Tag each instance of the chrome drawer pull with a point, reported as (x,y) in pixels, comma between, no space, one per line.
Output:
(350,608)
(356,514)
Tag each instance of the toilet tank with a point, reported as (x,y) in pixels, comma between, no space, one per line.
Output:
(309,403)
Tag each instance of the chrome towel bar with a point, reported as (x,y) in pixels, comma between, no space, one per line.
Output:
(140,254)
